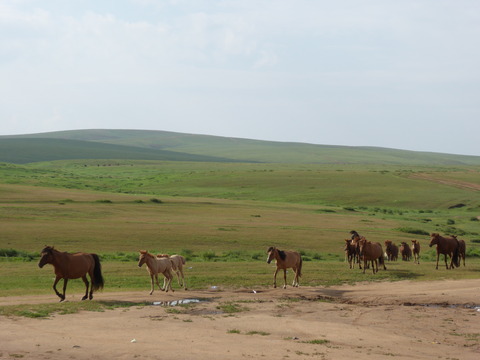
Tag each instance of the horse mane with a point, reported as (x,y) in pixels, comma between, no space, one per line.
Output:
(146,253)
(48,249)
(282,254)
(163,256)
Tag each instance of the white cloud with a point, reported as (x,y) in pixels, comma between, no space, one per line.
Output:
(263,69)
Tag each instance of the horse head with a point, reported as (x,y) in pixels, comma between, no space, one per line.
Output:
(142,259)
(433,239)
(361,244)
(46,256)
(271,254)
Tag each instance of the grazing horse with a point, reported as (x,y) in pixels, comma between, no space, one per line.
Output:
(157,266)
(392,250)
(285,260)
(371,251)
(350,252)
(405,251)
(461,250)
(448,246)
(73,266)
(416,251)
(178,261)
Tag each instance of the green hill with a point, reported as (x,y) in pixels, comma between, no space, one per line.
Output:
(164,145)
(29,150)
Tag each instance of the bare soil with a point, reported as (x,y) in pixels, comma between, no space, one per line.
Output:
(401,320)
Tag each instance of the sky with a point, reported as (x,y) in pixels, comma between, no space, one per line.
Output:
(387,73)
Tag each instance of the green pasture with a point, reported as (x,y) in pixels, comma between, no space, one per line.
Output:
(223,216)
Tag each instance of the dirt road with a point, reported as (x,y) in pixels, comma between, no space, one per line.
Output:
(401,320)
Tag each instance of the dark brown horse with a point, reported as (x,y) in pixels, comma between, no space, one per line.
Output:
(392,250)
(448,246)
(285,260)
(355,243)
(405,251)
(350,252)
(461,250)
(73,266)
(416,251)
(371,251)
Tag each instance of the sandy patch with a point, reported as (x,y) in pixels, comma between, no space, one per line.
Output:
(402,320)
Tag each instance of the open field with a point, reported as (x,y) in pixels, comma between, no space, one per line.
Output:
(223,217)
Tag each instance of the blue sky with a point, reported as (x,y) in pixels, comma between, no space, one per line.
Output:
(398,74)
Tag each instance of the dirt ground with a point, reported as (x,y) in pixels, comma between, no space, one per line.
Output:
(401,320)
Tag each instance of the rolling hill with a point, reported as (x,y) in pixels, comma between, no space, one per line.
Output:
(172,146)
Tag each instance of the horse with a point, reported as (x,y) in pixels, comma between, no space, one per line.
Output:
(416,251)
(178,261)
(157,266)
(350,253)
(461,249)
(391,250)
(355,239)
(73,266)
(371,251)
(285,260)
(448,246)
(405,251)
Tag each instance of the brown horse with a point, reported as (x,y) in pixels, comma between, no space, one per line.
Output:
(461,250)
(350,252)
(355,243)
(371,251)
(416,251)
(178,261)
(405,251)
(448,246)
(157,266)
(392,250)
(73,266)
(285,260)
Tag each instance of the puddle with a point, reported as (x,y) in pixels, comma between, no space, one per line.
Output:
(446,305)
(178,302)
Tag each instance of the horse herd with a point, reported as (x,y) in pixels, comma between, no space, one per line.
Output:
(78,265)
(357,249)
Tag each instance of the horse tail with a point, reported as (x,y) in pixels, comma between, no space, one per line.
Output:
(299,270)
(97,280)
(183,260)
(456,256)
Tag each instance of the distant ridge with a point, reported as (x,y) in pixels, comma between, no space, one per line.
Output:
(173,146)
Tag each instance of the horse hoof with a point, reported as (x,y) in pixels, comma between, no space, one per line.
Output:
(84,298)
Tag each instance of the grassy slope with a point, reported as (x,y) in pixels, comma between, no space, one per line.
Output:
(21,151)
(254,150)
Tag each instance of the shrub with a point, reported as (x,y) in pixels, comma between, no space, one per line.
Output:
(409,230)
(209,255)
(157,201)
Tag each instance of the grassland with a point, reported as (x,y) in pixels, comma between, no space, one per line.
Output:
(222,217)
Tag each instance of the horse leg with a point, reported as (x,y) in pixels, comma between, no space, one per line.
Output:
(156,280)
(168,277)
(65,281)
(446,262)
(85,281)
(62,297)
(438,256)
(284,278)
(183,280)
(375,266)
(275,278)
(152,284)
